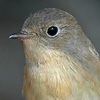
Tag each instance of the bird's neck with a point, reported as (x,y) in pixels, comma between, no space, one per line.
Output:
(37,54)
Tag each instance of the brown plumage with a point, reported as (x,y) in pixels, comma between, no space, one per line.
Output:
(61,62)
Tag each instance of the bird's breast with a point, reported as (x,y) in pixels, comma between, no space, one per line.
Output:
(49,78)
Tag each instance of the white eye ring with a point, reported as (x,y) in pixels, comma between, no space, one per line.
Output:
(52,31)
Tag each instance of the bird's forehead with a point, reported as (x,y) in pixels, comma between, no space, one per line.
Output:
(47,16)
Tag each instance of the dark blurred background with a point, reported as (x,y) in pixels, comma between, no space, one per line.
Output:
(12,15)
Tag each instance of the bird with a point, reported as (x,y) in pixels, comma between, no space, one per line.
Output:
(61,63)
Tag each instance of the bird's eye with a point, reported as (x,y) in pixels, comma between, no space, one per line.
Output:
(52,31)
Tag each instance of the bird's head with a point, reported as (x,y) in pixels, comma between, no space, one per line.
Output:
(51,29)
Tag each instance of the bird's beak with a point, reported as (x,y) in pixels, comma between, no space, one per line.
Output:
(21,35)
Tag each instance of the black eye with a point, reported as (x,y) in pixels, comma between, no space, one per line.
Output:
(52,31)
